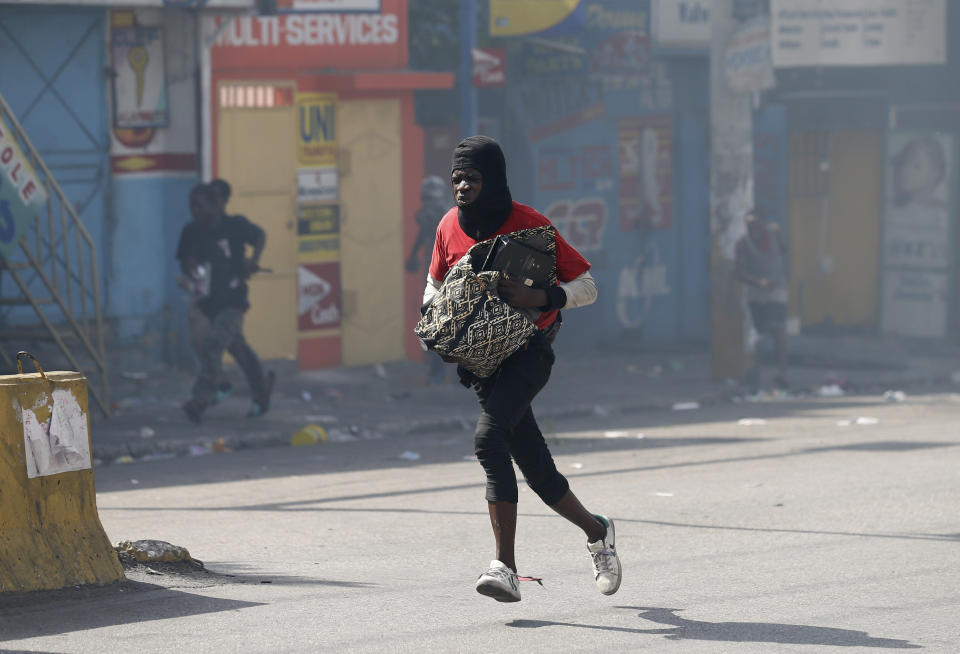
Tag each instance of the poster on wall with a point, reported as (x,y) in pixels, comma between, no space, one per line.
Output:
(575,183)
(917,232)
(139,74)
(646,166)
(316,130)
(318,296)
(317,184)
(318,233)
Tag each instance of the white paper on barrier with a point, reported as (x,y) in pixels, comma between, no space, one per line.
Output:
(62,443)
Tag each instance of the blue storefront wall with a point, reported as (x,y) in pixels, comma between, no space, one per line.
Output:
(609,139)
(650,261)
(152,211)
(53,62)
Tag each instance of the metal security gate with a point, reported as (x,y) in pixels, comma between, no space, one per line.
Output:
(52,76)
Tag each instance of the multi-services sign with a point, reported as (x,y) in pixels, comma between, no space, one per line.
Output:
(348,40)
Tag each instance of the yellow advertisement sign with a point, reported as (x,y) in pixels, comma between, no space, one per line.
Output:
(516,17)
(316,129)
(318,233)
(317,249)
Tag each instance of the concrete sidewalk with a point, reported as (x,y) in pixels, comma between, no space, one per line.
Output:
(392,400)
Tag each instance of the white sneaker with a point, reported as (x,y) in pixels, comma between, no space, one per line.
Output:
(606,563)
(500,583)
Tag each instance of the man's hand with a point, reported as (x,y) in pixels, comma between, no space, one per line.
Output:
(521,296)
(250,266)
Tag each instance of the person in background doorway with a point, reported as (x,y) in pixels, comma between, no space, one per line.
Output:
(761,266)
(434,203)
(507,430)
(212,255)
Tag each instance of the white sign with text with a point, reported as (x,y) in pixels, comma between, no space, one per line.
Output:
(858,32)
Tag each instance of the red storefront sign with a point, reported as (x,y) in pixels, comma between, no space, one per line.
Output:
(489,67)
(345,41)
(318,295)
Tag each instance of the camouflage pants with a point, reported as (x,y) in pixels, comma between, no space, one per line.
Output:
(225,333)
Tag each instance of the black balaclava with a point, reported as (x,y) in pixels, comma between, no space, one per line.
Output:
(490,210)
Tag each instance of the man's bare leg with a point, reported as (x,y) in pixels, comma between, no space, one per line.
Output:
(571,509)
(503,520)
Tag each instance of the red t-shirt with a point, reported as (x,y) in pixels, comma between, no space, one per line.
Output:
(451,244)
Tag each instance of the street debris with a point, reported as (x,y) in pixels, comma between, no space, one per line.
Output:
(751,422)
(830,390)
(199,450)
(339,435)
(159,456)
(126,458)
(135,482)
(863,421)
(322,418)
(306,396)
(764,396)
(616,434)
(686,406)
(220,447)
(409,456)
(663,494)
(147,432)
(335,394)
(150,551)
(381,371)
(576,466)
(308,435)
(895,396)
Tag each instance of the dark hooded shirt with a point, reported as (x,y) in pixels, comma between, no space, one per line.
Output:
(484,216)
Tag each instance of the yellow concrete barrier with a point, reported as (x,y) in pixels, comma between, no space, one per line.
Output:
(50,532)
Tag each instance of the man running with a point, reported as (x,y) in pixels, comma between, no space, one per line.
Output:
(507,428)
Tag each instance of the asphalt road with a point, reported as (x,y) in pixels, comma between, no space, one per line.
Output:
(797,534)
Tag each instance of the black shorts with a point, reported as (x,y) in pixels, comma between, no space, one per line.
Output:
(768,316)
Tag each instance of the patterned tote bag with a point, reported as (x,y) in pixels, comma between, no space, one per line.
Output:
(468,321)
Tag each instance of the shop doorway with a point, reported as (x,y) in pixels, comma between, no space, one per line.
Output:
(256,130)
(836,199)
(371,236)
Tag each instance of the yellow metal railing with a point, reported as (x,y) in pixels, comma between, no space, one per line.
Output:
(56,268)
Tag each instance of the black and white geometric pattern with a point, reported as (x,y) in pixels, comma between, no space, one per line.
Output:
(467,319)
